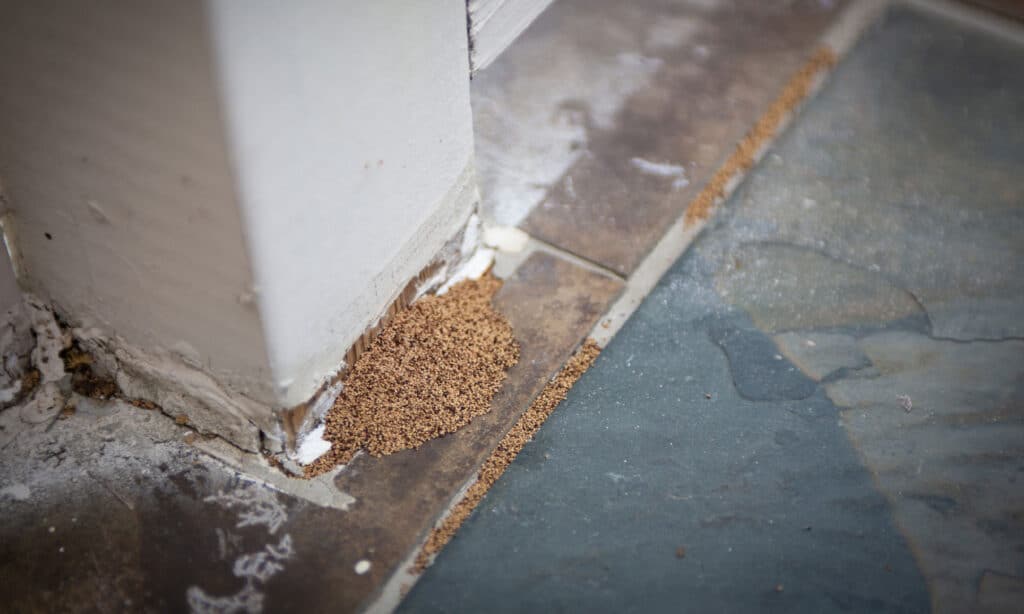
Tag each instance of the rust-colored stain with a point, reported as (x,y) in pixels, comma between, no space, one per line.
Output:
(743,157)
(430,371)
(509,447)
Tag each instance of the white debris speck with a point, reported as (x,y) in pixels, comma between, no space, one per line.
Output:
(505,238)
(905,402)
(53,529)
(809,343)
(363,566)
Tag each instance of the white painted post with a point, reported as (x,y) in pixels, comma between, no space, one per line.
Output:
(222,196)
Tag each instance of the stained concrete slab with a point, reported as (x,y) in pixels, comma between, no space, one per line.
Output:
(872,462)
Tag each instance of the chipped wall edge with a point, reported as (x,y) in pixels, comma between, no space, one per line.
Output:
(299,421)
(192,395)
(183,392)
(188,393)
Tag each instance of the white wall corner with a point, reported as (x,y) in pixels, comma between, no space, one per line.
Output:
(223,240)
(120,201)
(352,149)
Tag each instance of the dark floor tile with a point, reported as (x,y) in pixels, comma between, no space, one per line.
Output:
(639,173)
(1009,8)
(656,449)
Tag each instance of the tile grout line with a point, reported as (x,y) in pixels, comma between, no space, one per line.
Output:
(976,18)
(576,259)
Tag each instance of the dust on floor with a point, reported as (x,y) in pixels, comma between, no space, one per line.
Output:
(429,372)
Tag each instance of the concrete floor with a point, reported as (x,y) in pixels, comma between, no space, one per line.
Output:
(821,406)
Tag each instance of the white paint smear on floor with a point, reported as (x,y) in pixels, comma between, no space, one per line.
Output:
(533,123)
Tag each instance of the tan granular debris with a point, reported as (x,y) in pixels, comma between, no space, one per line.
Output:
(499,460)
(29,383)
(84,380)
(743,156)
(429,372)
